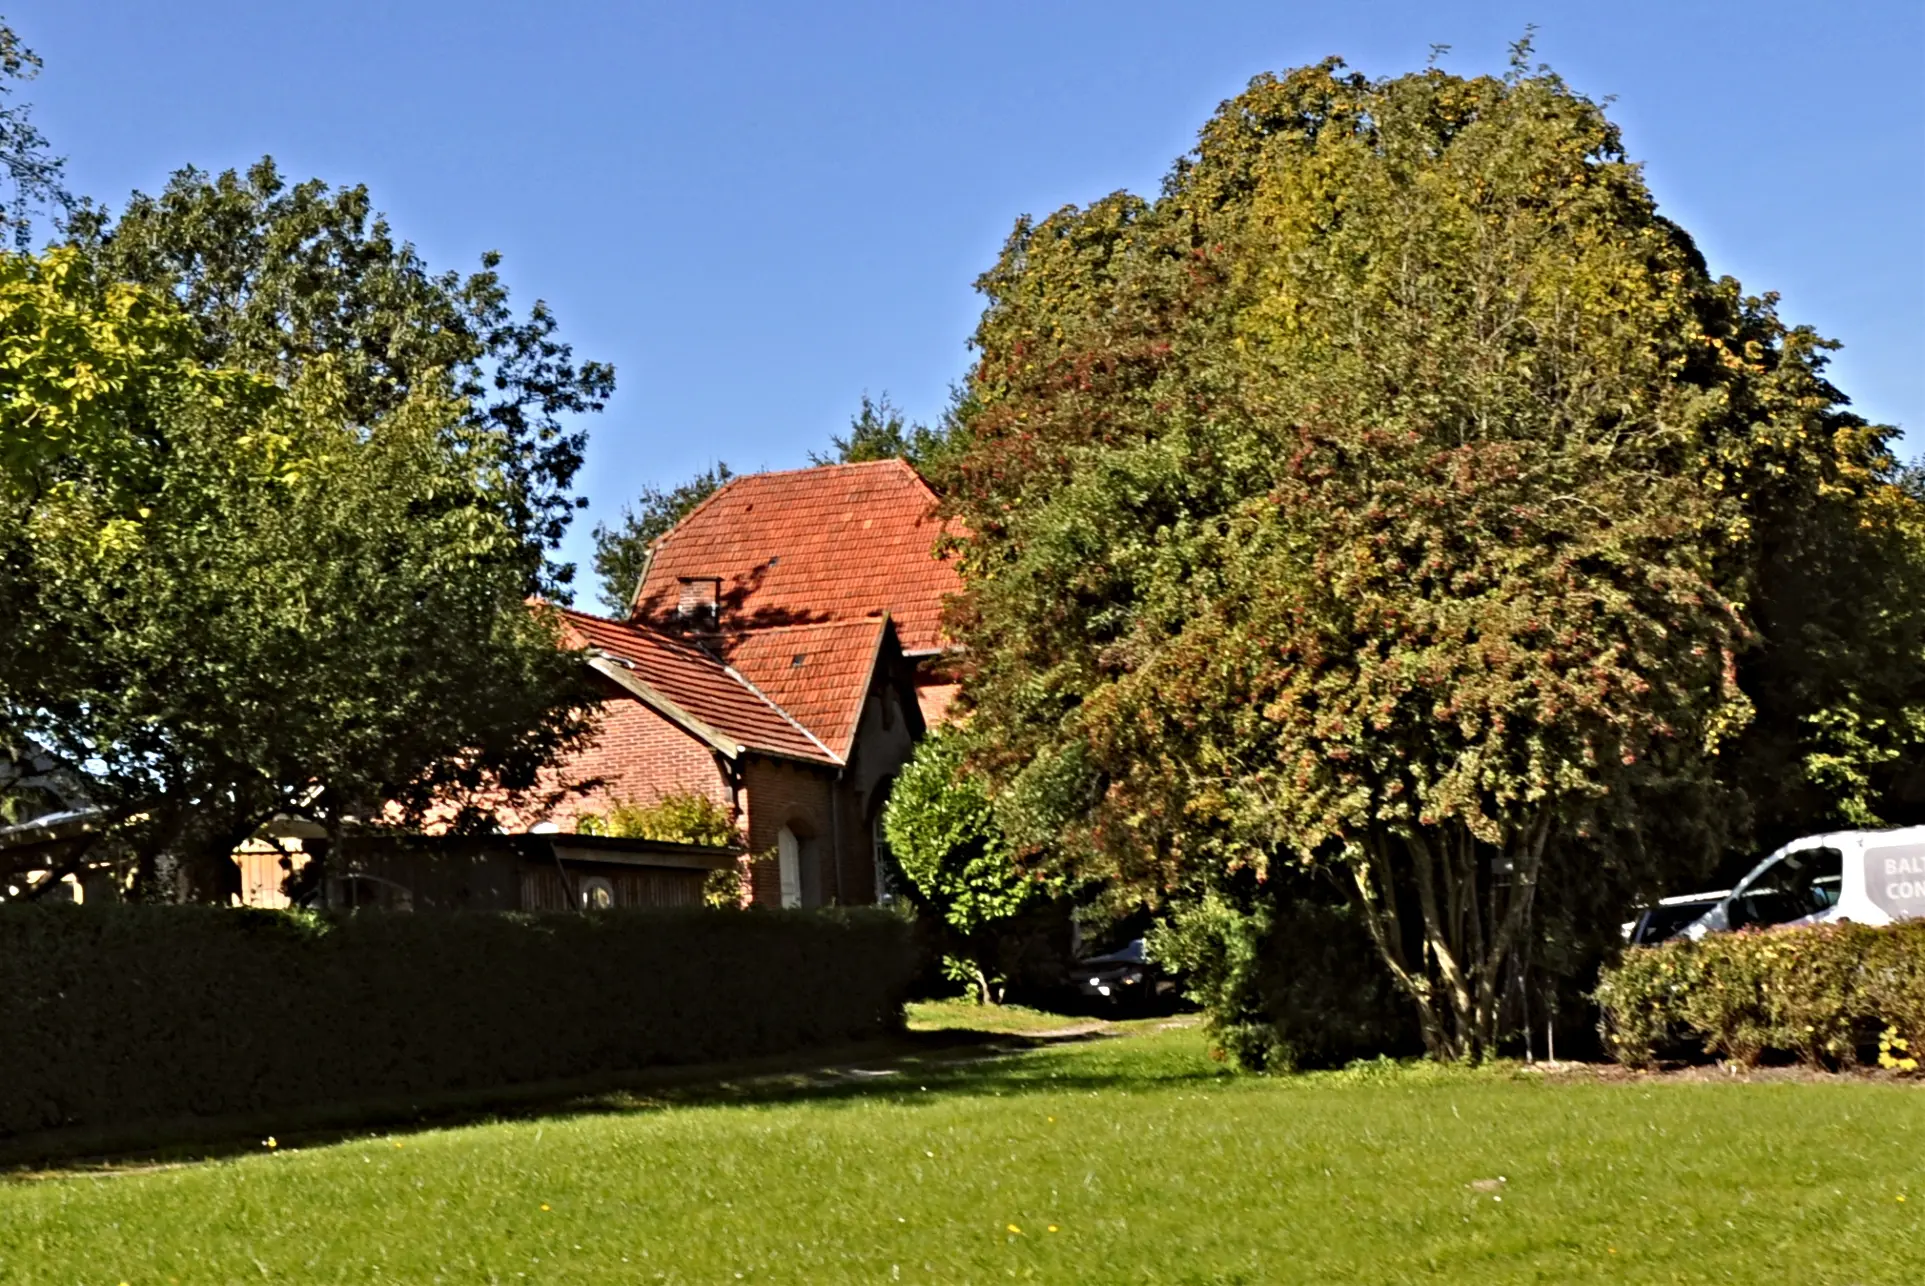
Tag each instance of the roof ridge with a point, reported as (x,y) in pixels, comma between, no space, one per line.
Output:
(566,610)
(824,468)
(739,478)
(690,652)
(681,522)
(843,622)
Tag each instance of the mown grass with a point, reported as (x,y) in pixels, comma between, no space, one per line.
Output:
(1133,1159)
(1012,1020)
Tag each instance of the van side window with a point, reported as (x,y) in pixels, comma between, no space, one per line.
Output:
(1801,883)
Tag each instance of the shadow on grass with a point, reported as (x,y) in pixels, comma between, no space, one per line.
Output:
(909,1068)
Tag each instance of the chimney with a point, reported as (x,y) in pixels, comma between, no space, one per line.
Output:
(700,601)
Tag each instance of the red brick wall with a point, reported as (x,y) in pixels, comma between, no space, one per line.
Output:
(642,757)
(781,793)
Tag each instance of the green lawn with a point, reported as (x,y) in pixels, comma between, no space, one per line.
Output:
(1127,1159)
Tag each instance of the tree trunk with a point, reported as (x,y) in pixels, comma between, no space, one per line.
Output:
(1459,953)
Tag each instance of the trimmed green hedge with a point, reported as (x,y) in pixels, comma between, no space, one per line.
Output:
(118,1015)
(1821,994)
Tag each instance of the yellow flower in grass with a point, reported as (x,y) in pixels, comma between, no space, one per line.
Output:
(1018,1231)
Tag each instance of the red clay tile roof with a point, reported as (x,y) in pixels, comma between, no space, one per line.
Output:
(819,674)
(834,543)
(688,685)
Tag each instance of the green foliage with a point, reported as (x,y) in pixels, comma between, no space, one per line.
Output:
(942,830)
(683,818)
(621,551)
(31,170)
(1397,493)
(223,598)
(879,431)
(1286,982)
(277,278)
(728,889)
(1820,993)
(686,818)
(131,1015)
(85,363)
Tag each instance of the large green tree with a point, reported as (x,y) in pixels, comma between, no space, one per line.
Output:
(276,277)
(225,597)
(1398,494)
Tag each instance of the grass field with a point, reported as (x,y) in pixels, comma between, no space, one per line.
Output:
(1131,1158)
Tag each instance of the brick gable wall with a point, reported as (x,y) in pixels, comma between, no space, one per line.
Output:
(641,756)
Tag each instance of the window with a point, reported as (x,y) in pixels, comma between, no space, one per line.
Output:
(597,893)
(886,891)
(1802,883)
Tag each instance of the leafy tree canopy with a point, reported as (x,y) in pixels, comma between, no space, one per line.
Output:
(224,597)
(1397,493)
(621,551)
(880,431)
(275,278)
(33,173)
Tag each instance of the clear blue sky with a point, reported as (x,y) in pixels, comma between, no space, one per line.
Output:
(758,212)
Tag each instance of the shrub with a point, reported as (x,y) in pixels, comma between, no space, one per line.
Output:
(942,830)
(1820,994)
(117,1015)
(1285,982)
(682,818)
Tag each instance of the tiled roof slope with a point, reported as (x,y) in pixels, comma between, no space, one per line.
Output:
(698,686)
(833,543)
(819,674)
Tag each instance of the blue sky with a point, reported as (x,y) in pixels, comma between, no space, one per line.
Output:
(758,212)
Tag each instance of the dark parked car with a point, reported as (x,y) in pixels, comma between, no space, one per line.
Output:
(1125,978)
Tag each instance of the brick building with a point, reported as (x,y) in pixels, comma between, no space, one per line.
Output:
(782,656)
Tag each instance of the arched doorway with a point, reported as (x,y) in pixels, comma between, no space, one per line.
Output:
(799,866)
(788,863)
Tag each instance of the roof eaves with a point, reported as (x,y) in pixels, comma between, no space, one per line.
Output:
(618,672)
(883,627)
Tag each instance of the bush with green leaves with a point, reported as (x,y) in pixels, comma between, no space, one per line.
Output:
(129,1015)
(941,827)
(682,818)
(1821,994)
(1286,982)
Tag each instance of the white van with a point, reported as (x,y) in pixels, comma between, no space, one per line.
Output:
(1868,877)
